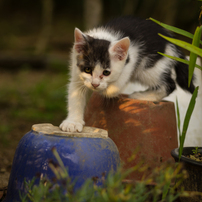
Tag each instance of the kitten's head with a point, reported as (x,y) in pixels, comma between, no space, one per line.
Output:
(100,61)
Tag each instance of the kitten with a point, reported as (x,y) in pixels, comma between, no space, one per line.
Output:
(109,58)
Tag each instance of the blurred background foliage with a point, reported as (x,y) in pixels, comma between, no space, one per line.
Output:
(46,26)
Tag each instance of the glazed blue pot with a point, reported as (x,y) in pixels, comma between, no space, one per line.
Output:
(86,155)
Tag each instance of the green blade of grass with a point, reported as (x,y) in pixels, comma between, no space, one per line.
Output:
(187,119)
(59,160)
(174,29)
(179,130)
(179,60)
(184,45)
(193,56)
(178,118)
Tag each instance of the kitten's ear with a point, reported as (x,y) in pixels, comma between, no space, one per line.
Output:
(119,49)
(79,39)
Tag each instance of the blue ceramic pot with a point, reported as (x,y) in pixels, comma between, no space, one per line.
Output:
(86,155)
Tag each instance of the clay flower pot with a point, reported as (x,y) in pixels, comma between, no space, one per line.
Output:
(144,127)
(86,155)
(194,170)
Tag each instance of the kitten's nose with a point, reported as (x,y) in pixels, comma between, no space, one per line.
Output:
(95,85)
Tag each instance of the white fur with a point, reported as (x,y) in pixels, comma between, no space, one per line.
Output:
(109,86)
(118,82)
(151,77)
(76,99)
(101,33)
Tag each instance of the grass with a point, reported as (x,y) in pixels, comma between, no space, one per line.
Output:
(28,97)
(156,187)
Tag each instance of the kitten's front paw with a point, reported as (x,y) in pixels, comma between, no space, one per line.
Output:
(72,126)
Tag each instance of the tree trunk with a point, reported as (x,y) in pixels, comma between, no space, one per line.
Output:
(46,26)
(166,14)
(92,13)
(130,7)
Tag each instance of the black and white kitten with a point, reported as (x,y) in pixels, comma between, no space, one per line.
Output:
(109,58)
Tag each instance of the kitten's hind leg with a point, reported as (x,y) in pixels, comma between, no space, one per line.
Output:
(150,94)
(156,93)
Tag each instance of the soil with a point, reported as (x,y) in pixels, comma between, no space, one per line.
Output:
(196,157)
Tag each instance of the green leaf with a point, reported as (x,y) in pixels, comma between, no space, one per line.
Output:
(178,118)
(179,60)
(166,189)
(184,45)
(174,29)
(187,119)
(193,56)
(179,130)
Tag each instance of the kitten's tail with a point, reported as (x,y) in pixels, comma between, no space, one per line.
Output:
(182,72)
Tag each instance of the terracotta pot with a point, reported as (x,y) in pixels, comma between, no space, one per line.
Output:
(142,127)
(194,170)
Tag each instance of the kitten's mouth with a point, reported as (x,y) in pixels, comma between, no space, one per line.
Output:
(95,89)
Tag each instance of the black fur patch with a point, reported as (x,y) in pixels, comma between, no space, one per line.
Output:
(94,51)
(182,77)
(170,83)
(127,60)
(141,31)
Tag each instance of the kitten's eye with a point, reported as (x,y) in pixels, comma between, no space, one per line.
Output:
(87,70)
(106,72)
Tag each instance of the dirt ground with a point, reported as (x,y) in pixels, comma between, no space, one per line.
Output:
(27,97)
(7,154)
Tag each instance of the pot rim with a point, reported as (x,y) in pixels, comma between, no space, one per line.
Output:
(175,153)
(87,132)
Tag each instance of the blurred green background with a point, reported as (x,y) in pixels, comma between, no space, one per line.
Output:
(36,26)
(35,39)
